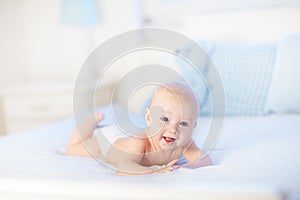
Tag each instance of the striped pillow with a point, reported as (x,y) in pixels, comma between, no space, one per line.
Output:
(246,71)
(191,75)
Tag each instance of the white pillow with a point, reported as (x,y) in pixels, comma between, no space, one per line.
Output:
(284,94)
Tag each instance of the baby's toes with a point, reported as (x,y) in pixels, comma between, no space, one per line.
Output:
(99,116)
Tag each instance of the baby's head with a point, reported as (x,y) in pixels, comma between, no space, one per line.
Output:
(172,115)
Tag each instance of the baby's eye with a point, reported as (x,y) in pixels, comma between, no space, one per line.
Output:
(164,119)
(183,124)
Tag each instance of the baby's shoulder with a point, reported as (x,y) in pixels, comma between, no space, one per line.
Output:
(134,143)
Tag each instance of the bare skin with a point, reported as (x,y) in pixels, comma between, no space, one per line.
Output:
(171,119)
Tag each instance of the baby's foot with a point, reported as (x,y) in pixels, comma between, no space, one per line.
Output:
(91,123)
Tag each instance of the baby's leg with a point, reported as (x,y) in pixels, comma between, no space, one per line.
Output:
(85,129)
(82,137)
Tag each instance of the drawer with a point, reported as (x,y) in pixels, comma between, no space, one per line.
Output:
(37,107)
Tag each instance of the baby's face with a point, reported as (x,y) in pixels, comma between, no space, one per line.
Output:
(171,120)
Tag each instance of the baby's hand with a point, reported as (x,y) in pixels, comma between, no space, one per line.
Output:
(167,168)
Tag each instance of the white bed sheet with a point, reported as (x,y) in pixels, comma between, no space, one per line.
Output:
(253,154)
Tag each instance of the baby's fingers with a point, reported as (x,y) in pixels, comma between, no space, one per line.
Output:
(172,163)
(165,169)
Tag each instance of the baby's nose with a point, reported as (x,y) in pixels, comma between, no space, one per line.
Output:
(173,127)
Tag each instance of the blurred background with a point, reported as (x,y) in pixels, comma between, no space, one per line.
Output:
(45,42)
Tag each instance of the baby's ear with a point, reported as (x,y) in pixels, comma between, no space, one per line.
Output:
(148,116)
(195,124)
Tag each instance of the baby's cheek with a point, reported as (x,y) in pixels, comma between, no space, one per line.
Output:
(155,128)
(186,135)
(185,130)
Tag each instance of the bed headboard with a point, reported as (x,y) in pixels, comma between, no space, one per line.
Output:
(219,20)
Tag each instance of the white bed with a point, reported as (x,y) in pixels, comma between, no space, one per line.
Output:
(255,158)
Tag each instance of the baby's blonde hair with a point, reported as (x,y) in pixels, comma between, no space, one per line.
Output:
(178,88)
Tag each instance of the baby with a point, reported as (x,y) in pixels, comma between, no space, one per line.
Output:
(171,119)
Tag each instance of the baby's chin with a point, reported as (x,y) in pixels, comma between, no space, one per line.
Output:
(168,145)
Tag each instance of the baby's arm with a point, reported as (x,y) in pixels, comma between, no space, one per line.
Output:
(82,137)
(129,168)
(195,157)
(129,152)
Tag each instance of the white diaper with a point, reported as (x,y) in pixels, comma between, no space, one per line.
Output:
(106,136)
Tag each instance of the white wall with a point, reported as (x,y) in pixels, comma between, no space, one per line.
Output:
(13,51)
(37,48)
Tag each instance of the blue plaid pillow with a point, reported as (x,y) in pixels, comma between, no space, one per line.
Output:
(246,72)
(196,78)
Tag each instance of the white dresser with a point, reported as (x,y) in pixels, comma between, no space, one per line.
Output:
(33,105)
(29,106)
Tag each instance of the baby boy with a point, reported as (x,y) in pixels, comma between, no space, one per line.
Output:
(171,119)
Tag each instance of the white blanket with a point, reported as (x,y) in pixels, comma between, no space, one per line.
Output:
(253,153)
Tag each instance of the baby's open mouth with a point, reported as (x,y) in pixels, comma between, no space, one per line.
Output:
(169,139)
